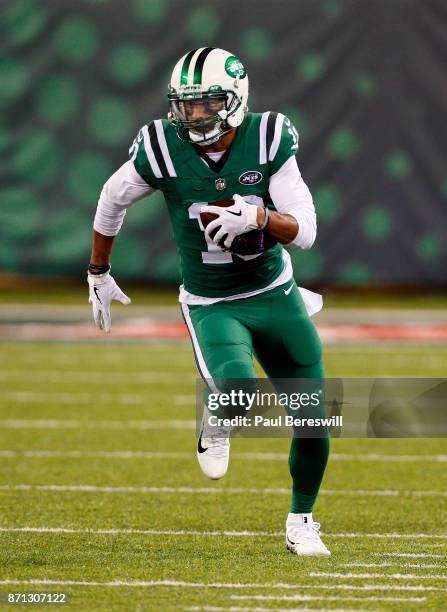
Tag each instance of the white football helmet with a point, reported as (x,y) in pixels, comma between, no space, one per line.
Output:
(208,95)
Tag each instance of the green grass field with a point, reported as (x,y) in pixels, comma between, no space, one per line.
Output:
(97,452)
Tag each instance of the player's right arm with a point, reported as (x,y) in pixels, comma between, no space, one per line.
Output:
(288,191)
(122,190)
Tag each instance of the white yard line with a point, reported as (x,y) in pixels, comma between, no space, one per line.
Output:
(35,397)
(77,424)
(260,609)
(250,534)
(130,489)
(178,400)
(388,347)
(411,555)
(382,576)
(396,564)
(105,454)
(153,583)
(394,535)
(374,587)
(388,458)
(380,493)
(114,378)
(182,361)
(161,583)
(225,585)
(168,532)
(216,490)
(324,598)
(437,545)
(248,456)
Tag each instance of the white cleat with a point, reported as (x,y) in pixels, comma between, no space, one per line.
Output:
(303,536)
(213,449)
(213,455)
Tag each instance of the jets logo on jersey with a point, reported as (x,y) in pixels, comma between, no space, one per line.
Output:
(251,177)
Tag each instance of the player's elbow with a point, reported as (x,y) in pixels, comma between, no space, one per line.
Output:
(308,244)
(304,244)
(307,232)
(108,218)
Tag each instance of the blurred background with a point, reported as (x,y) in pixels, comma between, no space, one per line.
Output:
(363,81)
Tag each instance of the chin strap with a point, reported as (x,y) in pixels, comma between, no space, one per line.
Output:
(213,137)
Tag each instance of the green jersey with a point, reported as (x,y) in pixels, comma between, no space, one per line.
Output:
(190,180)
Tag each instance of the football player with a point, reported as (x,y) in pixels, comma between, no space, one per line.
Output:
(235,303)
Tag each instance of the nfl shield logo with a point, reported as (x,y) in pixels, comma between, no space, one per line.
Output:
(220,183)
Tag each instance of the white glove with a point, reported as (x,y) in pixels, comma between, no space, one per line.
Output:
(103,289)
(239,218)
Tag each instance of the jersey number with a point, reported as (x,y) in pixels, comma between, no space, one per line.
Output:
(133,151)
(292,131)
(214,254)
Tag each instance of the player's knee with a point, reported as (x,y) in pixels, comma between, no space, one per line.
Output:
(235,369)
(234,376)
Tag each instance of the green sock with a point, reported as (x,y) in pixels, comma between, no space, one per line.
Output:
(307,463)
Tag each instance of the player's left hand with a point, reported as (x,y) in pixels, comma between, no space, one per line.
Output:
(239,218)
(102,290)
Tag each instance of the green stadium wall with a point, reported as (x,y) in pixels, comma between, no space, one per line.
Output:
(363,80)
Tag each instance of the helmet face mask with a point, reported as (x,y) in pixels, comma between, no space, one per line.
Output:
(207,95)
(201,117)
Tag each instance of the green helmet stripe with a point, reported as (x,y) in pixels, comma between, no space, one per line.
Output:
(185,68)
(198,68)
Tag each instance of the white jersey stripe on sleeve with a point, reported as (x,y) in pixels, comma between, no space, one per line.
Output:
(150,153)
(277,137)
(164,147)
(263,138)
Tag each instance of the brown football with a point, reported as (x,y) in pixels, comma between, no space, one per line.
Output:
(250,243)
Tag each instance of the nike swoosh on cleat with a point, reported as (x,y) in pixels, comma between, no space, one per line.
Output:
(95,289)
(238,214)
(287,291)
(290,541)
(199,445)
